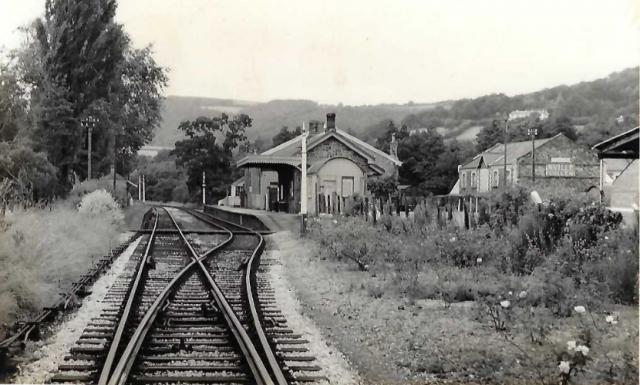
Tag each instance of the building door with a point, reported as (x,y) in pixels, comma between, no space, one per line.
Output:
(273,198)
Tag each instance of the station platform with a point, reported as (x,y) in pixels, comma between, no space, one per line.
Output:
(273,221)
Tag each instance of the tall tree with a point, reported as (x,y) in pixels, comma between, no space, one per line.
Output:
(84,66)
(383,141)
(81,48)
(285,135)
(200,151)
(419,154)
(490,135)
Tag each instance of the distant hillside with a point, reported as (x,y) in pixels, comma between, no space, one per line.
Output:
(179,108)
(586,103)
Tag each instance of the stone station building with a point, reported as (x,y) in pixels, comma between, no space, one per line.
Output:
(338,166)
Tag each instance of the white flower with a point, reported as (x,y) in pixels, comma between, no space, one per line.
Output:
(335,221)
(453,239)
(605,237)
(505,304)
(580,309)
(510,293)
(522,294)
(611,320)
(582,349)
(571,345)
(479,260)
(564,366)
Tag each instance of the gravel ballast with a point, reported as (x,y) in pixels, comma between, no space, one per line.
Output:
(50,353)
(334,364)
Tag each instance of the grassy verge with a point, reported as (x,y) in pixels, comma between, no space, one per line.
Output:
(43,251)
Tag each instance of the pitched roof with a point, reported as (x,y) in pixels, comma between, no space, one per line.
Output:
(515,150)
(291,147)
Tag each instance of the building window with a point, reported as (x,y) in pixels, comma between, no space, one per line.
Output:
(496,178)
(474,181)
(347,186)
(463,180)
(509,177)
(239,190)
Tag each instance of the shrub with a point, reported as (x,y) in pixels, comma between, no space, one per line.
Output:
(43,251)
(101,203)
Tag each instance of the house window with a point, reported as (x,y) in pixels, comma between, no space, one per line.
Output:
(347,186)
(496,178)
(463,180)
(509,177)
(474,181)
(239,190)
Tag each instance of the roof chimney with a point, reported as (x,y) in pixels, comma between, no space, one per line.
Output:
(393,147)
(331,121)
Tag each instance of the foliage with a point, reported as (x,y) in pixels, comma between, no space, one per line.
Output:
(383,141)
(42,252)
(28,174)
(101,203)
(76,62)
(200,152)
(285,135)
(382,186)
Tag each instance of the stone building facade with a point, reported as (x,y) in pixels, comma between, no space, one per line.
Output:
(559,162)
(338,166)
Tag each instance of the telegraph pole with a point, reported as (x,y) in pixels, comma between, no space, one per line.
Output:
(533,132)
(506,139)
(204,185)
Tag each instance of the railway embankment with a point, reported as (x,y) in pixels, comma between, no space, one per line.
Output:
(44,250)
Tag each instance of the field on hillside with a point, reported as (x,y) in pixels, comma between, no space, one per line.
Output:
(588,104)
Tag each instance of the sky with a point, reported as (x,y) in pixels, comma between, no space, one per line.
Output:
(368,52)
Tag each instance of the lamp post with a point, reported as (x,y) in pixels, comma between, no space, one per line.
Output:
(89,122)
(303,180)
(533,132)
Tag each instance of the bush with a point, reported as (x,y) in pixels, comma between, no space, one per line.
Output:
(43,251)
(101,203)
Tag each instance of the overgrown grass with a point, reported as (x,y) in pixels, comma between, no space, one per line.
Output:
(42,251)
(560,256)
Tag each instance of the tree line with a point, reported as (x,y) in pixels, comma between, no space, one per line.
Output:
(75,62)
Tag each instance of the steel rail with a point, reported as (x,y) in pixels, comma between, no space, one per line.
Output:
(121,372)
(262,337)
(62,304)
(133,291)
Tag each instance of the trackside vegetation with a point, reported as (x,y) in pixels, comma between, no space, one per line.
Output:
(550,281)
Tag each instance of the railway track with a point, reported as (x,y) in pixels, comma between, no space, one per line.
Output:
(190,310)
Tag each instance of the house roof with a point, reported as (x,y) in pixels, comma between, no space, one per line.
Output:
(262,160)
(515,150)
(239,182)
(292,147)
(624,145)
(289,151)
